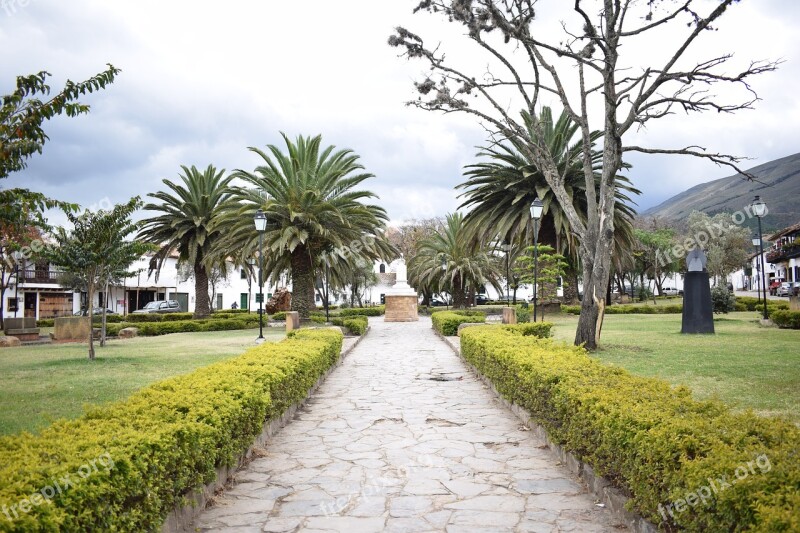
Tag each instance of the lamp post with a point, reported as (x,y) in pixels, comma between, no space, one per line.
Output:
(756,242)
(536,214)
(759,210)
(327,291)
(260,221)
(507,248)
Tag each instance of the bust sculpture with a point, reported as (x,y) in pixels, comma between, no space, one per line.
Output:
(696,261)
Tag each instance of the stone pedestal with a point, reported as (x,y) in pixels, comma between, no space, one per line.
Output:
(401,308)
(509,315)
(698,311)
(292,321)
(73,328)
(794,303)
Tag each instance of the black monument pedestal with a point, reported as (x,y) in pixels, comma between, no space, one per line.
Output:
(698,313)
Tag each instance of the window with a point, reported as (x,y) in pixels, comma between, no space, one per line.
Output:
(12,305)
(242,274)
(383,268)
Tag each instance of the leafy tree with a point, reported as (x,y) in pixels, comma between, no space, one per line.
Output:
(651,247)
(187,225)
(453,261)
(551,267)
(727,244)
(313,207)
(95,250)
(22,114)
(586,68)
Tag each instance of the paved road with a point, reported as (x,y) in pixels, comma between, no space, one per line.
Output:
(402,437)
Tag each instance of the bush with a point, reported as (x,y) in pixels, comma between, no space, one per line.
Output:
(523,314)
(786,319)
(46,323)
(447,322)
(357,325)
(151,329)
(722,300)
(655,442)
(378,310)
(542,330)
(626,309)
(161,443)
(280,315)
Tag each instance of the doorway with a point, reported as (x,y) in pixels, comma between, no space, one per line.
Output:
(30,304)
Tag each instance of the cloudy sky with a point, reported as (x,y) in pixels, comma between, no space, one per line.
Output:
(202,81)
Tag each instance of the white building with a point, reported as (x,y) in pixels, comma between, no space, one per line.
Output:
(38,293)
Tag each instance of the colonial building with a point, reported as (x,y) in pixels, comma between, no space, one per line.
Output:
(785,254)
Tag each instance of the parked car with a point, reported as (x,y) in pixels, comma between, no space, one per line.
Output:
(481,299)
(162,306)
(438,301)
(787,288)
(670,291)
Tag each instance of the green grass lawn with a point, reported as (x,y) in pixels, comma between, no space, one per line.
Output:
(39,384)
(743,364)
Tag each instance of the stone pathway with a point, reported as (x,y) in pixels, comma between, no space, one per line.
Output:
(402,437)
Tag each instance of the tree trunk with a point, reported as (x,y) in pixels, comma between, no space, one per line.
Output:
(90,314)
(459,294)
(103,321)
(302,282)
(202,307)
(570,283)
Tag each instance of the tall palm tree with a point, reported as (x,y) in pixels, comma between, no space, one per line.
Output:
(452,260)
(186,225)
(313,209)
(499,191)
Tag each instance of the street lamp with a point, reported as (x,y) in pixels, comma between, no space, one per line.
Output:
(506,246)
(536,214)
(756,243)
(759,210)
(260,221)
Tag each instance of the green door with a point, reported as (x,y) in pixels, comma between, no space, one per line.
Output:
(243,301)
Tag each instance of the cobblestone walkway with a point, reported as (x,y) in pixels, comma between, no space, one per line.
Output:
(402,437)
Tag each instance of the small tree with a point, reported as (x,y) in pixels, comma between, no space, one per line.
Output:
(551,267)
(95,250)
(22,114)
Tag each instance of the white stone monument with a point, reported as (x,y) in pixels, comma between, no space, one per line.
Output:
(401,300)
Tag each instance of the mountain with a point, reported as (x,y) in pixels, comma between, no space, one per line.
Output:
(778,185)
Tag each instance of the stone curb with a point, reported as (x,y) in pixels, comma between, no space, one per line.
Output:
(181,518)
(601,488)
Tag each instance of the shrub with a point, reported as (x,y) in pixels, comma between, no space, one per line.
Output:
(786,319)
(46,323)
(722,300)
(317,319)
(542,330)
(654,441)
(625,309)
(144,317)
(357,325)
(280,315)
(447,322)
(378,310)
(523,314)
(161,443)
(151,329)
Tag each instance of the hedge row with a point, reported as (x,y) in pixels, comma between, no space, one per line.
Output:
(447,322)
(148,329)
(786,319)
(357,325)
(625,309)
(378,310)
(686,464)
(141,456)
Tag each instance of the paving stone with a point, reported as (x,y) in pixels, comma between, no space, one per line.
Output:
(382,447)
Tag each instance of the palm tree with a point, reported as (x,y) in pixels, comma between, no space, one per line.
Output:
(452,260)
(186,225)
(313,209)
(500,191)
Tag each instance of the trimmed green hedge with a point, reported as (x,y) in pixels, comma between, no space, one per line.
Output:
(280,315)
(447,322)
(658,444)
(786,319)
(143,454)
(46,323)
(625,309)
(378,310)
(357,325)
(148,329)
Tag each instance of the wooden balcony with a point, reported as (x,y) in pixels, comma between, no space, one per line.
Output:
(40,276)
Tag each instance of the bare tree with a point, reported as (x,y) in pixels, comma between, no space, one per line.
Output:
(581,69)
